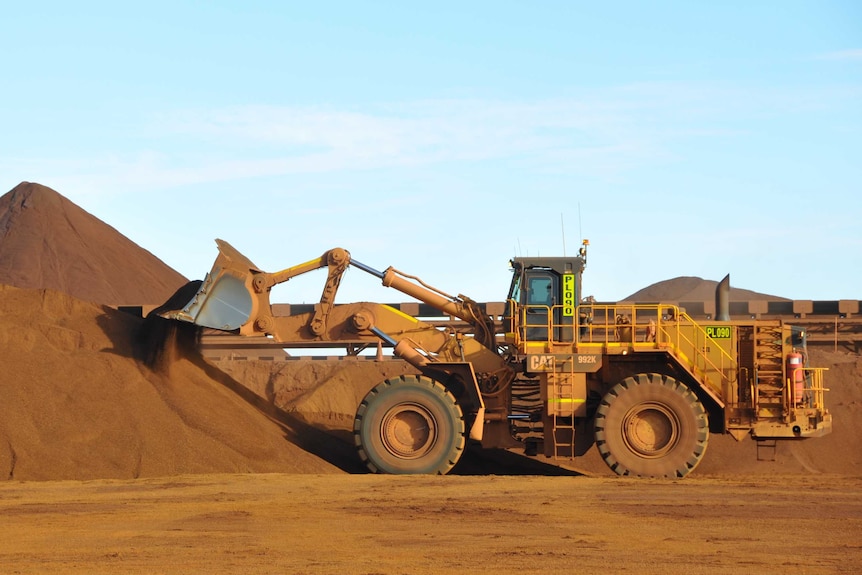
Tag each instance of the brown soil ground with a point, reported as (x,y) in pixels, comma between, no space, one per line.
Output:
(382,525)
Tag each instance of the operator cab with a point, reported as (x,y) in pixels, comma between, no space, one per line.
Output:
(547,291)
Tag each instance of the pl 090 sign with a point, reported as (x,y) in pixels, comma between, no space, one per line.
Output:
(568,295)
(718,331)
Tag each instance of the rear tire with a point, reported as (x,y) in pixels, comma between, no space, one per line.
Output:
(650,425)
(409,425)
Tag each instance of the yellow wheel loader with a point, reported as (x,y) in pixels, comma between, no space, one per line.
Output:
(554,375)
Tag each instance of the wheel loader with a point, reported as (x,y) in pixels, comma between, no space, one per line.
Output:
(554,375)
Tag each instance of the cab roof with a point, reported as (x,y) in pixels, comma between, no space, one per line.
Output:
(560,265)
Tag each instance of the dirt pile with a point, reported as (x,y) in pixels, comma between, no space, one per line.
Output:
(77,405)
(46,241)
(79,400)
(691,288)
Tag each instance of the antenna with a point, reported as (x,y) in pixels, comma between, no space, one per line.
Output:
(580,227)
(563,229)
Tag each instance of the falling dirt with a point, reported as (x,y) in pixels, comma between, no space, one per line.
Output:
(162,342)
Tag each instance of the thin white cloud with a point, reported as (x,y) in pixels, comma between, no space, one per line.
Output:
(207,146)
(603,134)
(425,132)
(578,136)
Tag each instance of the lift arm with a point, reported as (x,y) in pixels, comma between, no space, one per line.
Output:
(235,295)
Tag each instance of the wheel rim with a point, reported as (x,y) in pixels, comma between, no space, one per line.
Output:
(651,430)
(409,431)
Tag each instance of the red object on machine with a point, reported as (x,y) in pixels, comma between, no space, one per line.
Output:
(796,375)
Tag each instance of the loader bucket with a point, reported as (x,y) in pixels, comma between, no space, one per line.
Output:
(225,299)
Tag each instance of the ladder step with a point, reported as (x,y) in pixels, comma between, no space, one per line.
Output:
(766,449)
(563,446)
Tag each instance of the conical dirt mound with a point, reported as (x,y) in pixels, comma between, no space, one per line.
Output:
(46,241)
(691,288)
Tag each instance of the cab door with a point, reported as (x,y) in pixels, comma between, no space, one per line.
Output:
(540,297)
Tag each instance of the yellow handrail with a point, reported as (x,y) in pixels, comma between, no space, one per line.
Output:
(621,325)
(622,328)
(813,389)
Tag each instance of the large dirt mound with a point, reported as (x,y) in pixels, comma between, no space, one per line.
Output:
(691,288)
(77,405)
(46,241)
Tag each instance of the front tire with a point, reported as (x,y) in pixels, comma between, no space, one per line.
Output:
(650,425)
(409,425)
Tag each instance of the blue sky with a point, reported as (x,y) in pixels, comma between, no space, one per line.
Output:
(681,138)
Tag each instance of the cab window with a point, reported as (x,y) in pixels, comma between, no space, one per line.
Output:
(540,290)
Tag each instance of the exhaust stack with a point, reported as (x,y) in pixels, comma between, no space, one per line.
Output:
(722,299)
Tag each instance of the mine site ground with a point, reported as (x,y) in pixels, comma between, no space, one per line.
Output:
(370,524)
